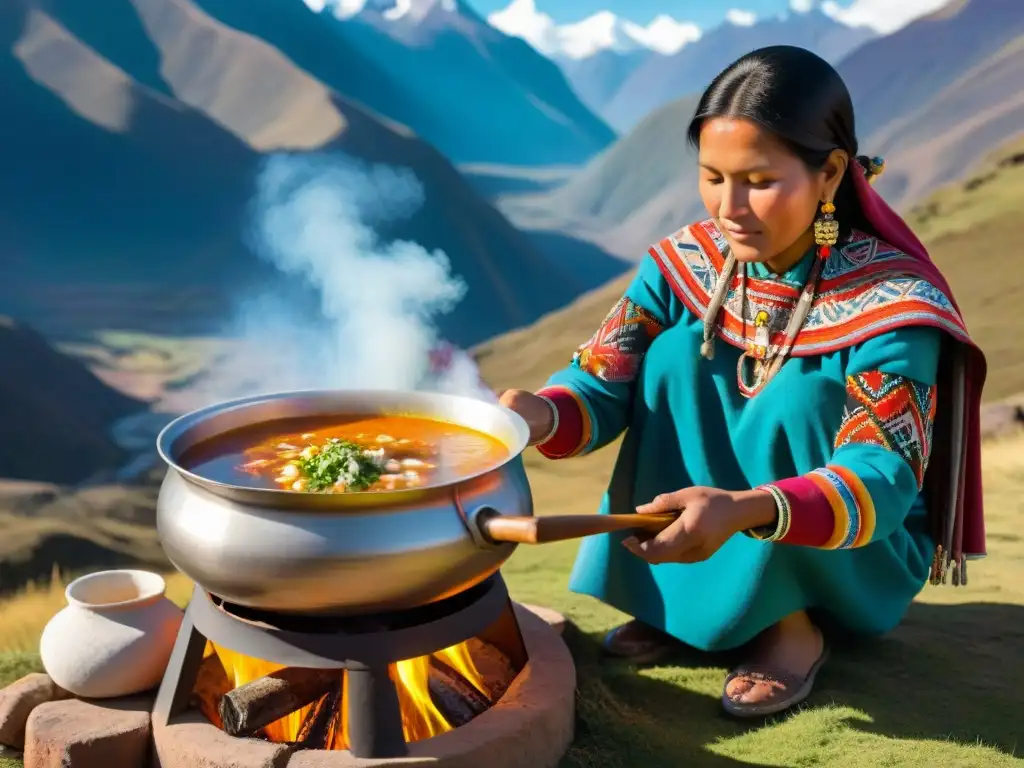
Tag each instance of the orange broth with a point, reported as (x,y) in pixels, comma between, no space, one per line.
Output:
(410,452)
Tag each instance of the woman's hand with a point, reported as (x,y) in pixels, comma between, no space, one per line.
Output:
(536,411)
(709,518)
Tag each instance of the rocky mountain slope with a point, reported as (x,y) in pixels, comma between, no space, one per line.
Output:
(137,144)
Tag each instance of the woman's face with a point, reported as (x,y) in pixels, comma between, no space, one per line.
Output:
(763,197)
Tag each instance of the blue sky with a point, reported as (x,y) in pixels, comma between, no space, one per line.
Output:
(704,13)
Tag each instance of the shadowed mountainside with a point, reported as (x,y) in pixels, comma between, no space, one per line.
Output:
(56,414)
(126,207)
(501,100)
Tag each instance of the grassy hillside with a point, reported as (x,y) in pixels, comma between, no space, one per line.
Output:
(943,689)
(940,141)
(102,526)
(973,231)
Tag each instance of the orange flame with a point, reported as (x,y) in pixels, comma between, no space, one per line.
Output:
(421,717)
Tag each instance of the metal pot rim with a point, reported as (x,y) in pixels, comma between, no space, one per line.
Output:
(185,425)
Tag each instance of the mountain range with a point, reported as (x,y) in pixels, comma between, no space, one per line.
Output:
(437,67)
(136,137)
(660,79)
(623,71)
(932,117)
(602,31)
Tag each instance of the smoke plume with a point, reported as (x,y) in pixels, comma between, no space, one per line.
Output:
(314,218)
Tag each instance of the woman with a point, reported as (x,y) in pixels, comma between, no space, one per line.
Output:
(794,376)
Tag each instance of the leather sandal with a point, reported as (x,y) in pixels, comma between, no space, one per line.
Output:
(788,689)
(639,643)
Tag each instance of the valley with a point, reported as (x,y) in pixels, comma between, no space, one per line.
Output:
(199,184)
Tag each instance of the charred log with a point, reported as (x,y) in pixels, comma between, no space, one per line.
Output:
(457,698)
(494,667)
(323,721)
(250,707)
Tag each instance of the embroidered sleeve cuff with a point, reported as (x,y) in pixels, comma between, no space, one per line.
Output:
(571,432)
(829,508)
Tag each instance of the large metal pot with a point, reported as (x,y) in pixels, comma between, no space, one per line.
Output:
(353,552)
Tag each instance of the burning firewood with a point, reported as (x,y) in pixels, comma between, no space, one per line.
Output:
(265,700)
(455,696)
(211,684)
(320,726)
(494,667)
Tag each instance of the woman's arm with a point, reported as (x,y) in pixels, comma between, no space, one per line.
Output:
(591,396)
(880,454)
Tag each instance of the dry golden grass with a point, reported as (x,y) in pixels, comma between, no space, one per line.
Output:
(974,230)
(23,615)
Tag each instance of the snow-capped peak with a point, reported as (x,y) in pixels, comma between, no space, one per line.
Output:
(666,35)
(740,18)
(603,31)
(882,16)
(391,10)
(522,19)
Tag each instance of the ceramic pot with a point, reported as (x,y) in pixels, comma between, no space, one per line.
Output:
(114,637)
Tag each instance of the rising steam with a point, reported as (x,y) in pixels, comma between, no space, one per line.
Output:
(314,218)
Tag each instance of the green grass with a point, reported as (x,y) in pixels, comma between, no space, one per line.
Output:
(935,692)
(944,689)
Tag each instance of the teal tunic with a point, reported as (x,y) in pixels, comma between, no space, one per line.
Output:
(688,425)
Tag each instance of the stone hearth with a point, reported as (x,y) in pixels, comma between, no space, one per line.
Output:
(531,726)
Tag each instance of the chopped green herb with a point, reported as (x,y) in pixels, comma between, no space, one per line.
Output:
(339,460)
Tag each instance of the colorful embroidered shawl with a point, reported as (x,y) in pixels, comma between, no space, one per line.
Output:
(868,286)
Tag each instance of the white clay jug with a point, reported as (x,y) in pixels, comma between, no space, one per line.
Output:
(114,637)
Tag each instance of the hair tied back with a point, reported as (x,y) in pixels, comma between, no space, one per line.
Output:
(872,167)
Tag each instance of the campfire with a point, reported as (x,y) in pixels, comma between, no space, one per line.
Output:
(221,708)
(305,707)
(368,684)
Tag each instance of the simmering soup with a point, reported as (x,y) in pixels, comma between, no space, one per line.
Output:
(379,453)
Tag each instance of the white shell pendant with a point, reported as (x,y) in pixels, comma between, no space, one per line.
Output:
(750,382)
(762,337)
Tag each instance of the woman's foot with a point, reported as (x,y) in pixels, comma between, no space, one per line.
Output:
(781,672)
(639,643)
